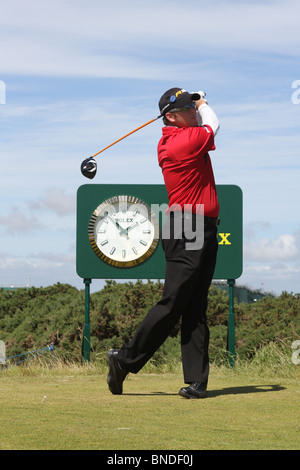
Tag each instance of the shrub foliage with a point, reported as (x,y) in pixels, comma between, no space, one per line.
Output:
(35,317)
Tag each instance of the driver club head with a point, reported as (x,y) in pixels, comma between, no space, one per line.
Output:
(89,168)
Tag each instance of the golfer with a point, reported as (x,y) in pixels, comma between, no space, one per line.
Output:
(188,136)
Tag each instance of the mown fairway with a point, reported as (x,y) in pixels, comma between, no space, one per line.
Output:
(79,412)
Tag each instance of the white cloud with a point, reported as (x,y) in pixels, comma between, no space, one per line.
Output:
(65,38)
(17,223)
(250,230)
(40,269)
(272,277)
(284,248)
(45,260)
(246,54)
(58,201)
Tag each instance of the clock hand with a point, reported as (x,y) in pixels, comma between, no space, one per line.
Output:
(115,222)
(130,227)
(121,229)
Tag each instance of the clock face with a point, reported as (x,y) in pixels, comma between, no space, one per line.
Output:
(123,231)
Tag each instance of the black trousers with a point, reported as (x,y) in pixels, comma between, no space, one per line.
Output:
(188,277)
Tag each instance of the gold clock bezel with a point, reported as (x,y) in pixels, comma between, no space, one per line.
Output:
(151,216)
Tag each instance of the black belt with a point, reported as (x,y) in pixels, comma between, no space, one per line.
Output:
(190,215)
(211,220)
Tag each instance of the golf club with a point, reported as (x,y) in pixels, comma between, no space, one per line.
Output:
(89,165)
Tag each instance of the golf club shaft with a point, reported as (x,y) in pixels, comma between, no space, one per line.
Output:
(138,128)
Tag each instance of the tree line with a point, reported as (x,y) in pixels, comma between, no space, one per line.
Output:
(36,317)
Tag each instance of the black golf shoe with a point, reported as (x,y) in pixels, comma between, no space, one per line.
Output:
(116,375)
(194,390)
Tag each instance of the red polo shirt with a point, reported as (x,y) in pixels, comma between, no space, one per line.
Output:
(186,166)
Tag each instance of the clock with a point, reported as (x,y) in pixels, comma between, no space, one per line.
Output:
(123,231)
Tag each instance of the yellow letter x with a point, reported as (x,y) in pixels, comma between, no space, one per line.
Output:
(224,238)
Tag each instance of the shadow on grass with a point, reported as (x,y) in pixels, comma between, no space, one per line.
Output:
(224,391)
(244,390)
(150,394)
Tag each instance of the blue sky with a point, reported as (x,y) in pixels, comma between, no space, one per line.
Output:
(77,75)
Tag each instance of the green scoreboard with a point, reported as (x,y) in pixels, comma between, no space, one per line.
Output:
(137,214)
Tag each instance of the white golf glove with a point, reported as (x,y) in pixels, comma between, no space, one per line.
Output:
(201,93)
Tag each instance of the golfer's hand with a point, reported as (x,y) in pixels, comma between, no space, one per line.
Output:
(200,102)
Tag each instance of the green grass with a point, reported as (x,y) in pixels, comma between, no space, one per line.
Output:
(246,408)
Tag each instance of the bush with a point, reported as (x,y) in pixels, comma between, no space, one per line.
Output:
(268,320)
(33,318)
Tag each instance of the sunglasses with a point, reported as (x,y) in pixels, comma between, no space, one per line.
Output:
(185,109)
